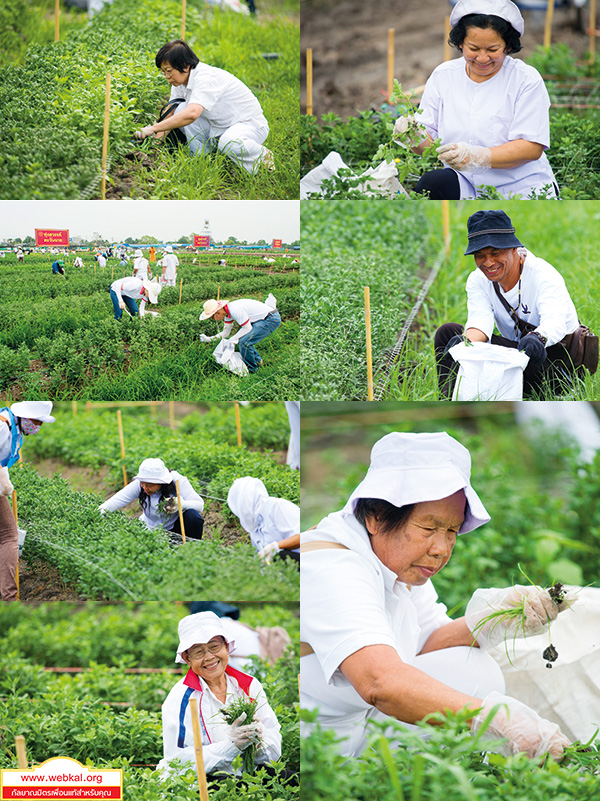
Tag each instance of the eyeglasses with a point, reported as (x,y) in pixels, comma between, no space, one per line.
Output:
(200,653)
(167,73)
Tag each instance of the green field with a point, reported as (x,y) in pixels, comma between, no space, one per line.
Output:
(60,339)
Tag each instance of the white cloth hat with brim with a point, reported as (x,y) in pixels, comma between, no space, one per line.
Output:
(414,468)
(199,629)
(211,306)
(499,8)
(153,471)
(244,499)
(34,410)
(138,253)
(154,290)
(168,249)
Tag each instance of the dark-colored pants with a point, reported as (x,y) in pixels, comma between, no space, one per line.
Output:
(193,523)
(439,185)
(129,302)
(9,552)
(552,376)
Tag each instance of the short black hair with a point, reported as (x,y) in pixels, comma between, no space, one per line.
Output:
(504,29)
(389,517)
(178,54)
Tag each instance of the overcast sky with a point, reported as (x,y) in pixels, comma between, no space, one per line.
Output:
(166,220)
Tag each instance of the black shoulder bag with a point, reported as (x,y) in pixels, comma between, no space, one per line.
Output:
(176,136)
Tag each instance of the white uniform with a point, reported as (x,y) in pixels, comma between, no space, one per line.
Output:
(266,519)
(513,104)
(350,600)
(246,310)
(230,112)
(218,749)
(131,287)
(545,303)
(170,262)
(140,267)
(101,261)
(152,517)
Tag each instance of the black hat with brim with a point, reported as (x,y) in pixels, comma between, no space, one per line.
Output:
(490,229)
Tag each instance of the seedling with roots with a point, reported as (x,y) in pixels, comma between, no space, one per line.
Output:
(231,713)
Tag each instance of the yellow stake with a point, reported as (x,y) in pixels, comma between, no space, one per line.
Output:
(105,140)
(368,333)
(180,289)
(74,407)
(238,422)
(21,753)
(309,81)
(198,749)
(122,441)
(447,53)
(548,27)
(56,20)
(183,9)
(180,511)
(390,75)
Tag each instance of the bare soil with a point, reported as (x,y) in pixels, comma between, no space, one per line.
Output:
(349,43)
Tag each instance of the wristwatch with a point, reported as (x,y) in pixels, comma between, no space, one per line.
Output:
(542,338)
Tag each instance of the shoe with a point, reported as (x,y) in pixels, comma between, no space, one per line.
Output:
(268,160)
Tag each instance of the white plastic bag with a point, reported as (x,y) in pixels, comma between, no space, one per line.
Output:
(488,372)
(226,354)
(312,181)
(383,180)
(22,533)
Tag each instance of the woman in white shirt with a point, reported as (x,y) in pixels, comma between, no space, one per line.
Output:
(156,490)
(489,110)
(125,291)
(218,112)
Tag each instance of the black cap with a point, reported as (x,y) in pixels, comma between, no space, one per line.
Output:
(490,229)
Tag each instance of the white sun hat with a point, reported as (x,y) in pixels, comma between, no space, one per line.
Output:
(169,249)
(34,410)
(499,8)
(197,629)
(413,468)
(211,306)
(244,498)
(153,471)
(154,290)
(138,253)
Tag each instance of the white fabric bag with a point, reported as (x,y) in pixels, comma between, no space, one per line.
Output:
(226,354)
(329,167)
(488,372)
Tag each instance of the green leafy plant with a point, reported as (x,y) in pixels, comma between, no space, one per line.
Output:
(244,708)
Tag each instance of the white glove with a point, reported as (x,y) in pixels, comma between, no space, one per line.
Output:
(204,338)
(525,730)
(411,126)
(241,735)
(229,344)
(6,487)
(462,156)
(538,607)
(144,132)
(269,551)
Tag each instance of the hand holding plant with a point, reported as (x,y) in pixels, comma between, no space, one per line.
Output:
(168,505)
(246,737)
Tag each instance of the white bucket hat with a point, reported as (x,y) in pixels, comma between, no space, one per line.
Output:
(413,468)
(34,410)
(499,8)
(212,306)
(200,628)
(169,249)
(138,253)
(244,498)
(154,290)
(153,471)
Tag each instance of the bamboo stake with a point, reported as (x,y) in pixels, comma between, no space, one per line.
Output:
(172,415)
(180,511)
(592,31)
(122,441)
(446,224)
(21,752)
(238,422)
(180,289)
(56,20)
(447,52)
(368,333)
(74,407)
(88,406)
(218,290)
(202,787)
(153,405)
(309,81)
(390,65)
(183,10)
(548,27)
(105,140)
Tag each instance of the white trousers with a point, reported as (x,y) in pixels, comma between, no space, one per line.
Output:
(242,142)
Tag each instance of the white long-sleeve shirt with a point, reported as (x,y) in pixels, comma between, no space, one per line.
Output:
(140,267)
(244,312)
(545,303)
(218,749)
(266,519)
(131,287)
(170,264)
(152,517)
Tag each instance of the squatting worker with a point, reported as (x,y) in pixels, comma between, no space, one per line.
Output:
(155,488)
(376,643)
(22,419)
(125,291)
(58,267)
(489,110)
(510,285)
(256,321)
(218,112)
(205,647)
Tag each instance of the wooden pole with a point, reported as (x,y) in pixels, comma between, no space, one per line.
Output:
(446,224)
(15,512)
(180,289)
(172,415)
(122,441)
(105,140)
(21,752)
(180,511)
(309,81)
(74,407)
(447,51)
(88,406)
(218,290)
(390,64)
(369,353)
(153,405)
(183,10)
(202,787)
(548,27)
(592,31)
(56,20)
(238,422)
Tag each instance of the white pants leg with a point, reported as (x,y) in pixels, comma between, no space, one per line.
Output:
(243,143)
(197,134)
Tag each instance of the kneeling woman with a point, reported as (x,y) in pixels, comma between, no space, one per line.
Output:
(204,647)
(155,488)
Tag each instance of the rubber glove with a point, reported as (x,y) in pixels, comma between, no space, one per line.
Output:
(534,348)
(539,609)
(204,338)
(241,735)
(269,551)
(144,132)
(456,340)
(524,729)
(6,487)
(462,156)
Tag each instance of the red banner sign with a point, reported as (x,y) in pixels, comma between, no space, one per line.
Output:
(45,237)
(201,241)
(277,243)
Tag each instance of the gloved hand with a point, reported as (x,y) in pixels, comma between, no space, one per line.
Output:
(269,551)
(538,608)
(525,730)
(456,340)
(171,506)
(204,338)
(534,348)
(411,126)
(462,156)
(241,735)
(144,132)
(6,487)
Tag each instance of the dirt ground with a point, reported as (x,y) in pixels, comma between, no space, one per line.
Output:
(349,43)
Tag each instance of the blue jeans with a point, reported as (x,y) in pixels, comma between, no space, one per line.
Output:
(260,330)
(129,302)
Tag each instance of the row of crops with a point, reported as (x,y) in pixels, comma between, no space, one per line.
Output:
(54,104)
(117,557)
(107,717)
(59,338)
